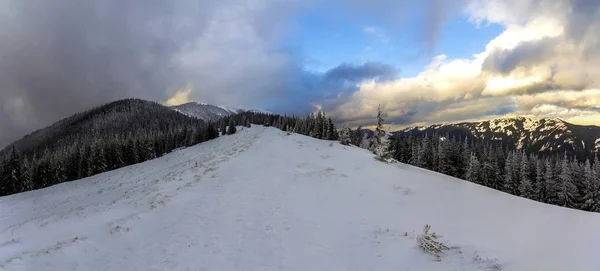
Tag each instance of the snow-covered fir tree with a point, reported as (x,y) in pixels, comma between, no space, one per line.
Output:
(540,188)
(591,189)
(508,174)
(474,170)
(525,187)
(345,136)
(381,142)
(566,189)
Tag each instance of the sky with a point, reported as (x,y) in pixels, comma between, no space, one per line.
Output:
(424,62)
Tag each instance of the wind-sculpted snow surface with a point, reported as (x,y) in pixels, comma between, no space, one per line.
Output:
(263,199)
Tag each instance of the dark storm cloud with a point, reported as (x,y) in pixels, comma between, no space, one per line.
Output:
(367,71)
(408,117)
(329,89)
(582,20)
(582,17)
(60,57)
(524,55)
(500,111)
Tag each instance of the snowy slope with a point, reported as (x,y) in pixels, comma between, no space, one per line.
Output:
(265,200)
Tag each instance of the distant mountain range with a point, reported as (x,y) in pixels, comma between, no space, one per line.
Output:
(209,112)
(545,136)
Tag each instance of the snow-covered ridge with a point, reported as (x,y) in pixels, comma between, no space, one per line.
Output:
(547,134)
(265,200)
(208,112)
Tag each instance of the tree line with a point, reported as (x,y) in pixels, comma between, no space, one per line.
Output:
(316,125)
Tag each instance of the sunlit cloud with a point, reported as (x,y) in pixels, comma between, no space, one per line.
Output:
(181,96)
(543,64)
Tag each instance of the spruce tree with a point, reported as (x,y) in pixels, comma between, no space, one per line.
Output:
(525,187)
(566,189)
(357,136)
(379,132)
(4,177)
(414,156)
(594,205)
(345,136)
(331,132)
(59,171)
(231,128)
(381,141)
(540,190)
(508,175)
(26,175)
(474,170)
(590,192)
(443,156)
(552,183)
(223,127)
(13,168)
(490,168)
(425,155)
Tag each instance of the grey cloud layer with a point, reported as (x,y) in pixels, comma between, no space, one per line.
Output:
(59,57)
(367,71)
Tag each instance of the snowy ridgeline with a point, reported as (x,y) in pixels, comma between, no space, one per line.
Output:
(263,199)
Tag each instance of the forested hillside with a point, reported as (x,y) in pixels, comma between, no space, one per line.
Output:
(111,136)
(556,179)
(123,133)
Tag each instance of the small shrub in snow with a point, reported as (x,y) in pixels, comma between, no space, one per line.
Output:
(428,243)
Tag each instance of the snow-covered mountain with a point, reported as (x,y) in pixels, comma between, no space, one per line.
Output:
(208,112)
(203,111)
(549,135)
(263,199)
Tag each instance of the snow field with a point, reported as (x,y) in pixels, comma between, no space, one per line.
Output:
(263,199)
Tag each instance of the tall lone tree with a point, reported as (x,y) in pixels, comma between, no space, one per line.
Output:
(380,146)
